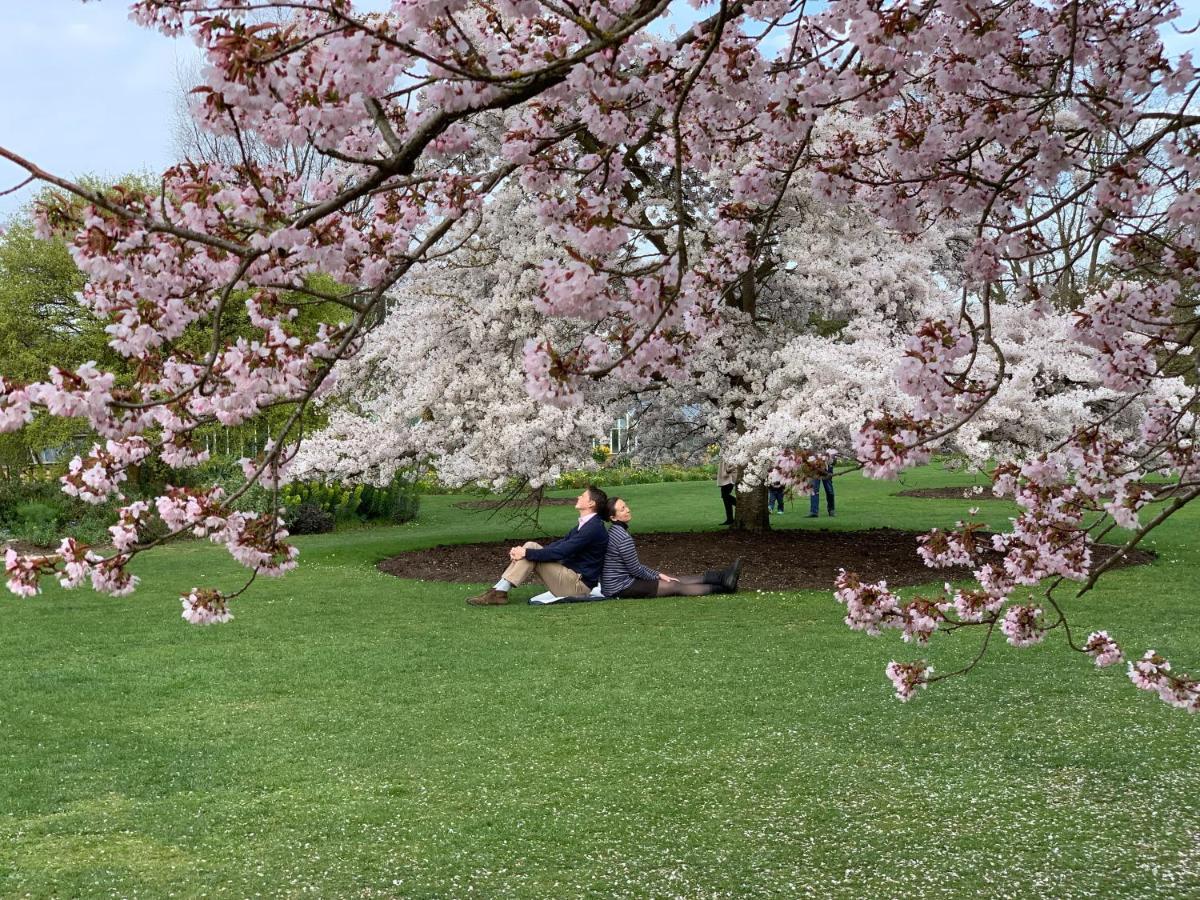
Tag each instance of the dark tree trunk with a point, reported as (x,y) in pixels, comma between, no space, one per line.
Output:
(751,511)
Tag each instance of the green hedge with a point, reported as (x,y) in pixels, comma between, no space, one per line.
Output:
(397,503)
(35,510)
(615,476)
(616,473)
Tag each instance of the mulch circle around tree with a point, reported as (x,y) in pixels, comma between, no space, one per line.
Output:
(774,560)
(523,503)
(950,493)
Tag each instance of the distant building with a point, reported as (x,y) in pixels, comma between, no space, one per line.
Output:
(622,437)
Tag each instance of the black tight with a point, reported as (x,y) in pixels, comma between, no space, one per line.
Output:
(686,586)
(729,498)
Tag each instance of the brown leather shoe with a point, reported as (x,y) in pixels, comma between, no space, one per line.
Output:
(490,597)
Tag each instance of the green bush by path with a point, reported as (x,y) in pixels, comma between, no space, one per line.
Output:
(354,735)
(618,472)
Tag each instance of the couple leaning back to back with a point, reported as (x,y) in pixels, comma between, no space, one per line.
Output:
(598,561)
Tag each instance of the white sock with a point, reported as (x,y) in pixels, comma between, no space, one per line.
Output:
(503,585)
(543,598)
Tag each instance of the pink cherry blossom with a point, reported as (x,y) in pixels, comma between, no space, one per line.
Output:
(907,678)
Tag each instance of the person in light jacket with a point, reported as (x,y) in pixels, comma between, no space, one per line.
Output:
(726,481)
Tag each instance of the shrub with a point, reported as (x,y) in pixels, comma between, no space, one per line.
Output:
(37,522)
(398,502)
(627,473)
(405,506)
(309,518)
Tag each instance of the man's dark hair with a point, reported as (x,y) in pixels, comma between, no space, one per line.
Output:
(600,499)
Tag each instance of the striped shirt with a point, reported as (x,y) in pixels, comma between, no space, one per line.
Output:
(621,564)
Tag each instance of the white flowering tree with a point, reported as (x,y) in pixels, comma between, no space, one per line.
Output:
(660,167)
(441,381)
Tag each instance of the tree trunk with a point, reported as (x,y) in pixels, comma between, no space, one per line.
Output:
(751,513)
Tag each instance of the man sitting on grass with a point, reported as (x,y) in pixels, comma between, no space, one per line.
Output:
(566,567)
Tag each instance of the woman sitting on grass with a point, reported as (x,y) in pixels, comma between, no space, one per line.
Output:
(625,576)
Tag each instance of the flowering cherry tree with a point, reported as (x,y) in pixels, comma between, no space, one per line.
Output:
(660,169)
(441,380)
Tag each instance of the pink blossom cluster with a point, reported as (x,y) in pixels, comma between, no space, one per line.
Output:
(257,542)
(16,411)
(205,606)
(1103,649)
(129,519)
(891,442)
(869,607)
(71,564)
(24,572)
(1023,625)
(872,607)
(907,678)
(920,618)
(97,476)
(76,563)
(974,606)
(943,549)
(927,371)
(799,468)
(1153,673)
(1129,324)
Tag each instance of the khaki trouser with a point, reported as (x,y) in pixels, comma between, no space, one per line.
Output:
(558,579)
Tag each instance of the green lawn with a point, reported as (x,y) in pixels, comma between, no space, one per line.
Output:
(353,735)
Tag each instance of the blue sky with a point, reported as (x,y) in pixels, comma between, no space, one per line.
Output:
(87,91)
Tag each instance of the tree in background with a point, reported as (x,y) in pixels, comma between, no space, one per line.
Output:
(440,381)
(41,324)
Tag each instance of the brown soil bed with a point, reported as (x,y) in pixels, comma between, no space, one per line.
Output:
(26,549)
(791,559)
(949,493)
(523,503)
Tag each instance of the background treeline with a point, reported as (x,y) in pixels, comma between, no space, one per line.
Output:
(42,324)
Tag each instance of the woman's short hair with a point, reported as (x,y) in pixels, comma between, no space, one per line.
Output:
(610,508)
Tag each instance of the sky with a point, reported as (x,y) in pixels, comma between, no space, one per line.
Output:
(85,91)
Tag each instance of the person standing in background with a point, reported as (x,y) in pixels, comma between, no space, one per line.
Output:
(826,479)
(775,494)
(726,480)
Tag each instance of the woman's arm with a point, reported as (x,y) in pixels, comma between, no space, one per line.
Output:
(627,553)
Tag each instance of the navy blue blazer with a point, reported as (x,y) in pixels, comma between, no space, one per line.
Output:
(582,550)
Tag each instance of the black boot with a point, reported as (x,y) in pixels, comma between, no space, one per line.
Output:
(729,578)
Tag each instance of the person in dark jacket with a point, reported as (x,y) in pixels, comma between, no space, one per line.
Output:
(568,566)
(625,576)
(826,479)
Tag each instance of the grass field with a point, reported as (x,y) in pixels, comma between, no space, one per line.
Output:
(353,735)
